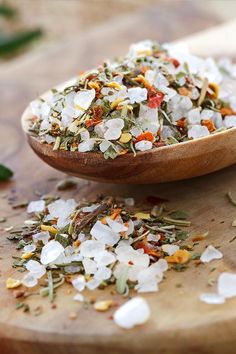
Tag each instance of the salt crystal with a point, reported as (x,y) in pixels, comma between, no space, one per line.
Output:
(137,94)
(209,254)
(103,273)
(115,123)
(104,234)
(29,280)
(152,237)
(227,285)
(104,258)
(212,298)
(83,100)
(50,252)
(230,121)
(143,145)
(198,131)
(79,283)
(170,249)
(61,208)
(91,248)
(93,284)
(194,116)
(90,266)
(86,145)
(35,268)
(112,134)
(36,206)
(116,226)
(78,297)
(90,208)
(134,312)
(41,236)
(29,248)
(105,144)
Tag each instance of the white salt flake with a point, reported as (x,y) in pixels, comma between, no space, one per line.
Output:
(90,266)
(209,254)
(61,208)
(50,252)
(103,273)
(116,226)
(35,268)
(91,248)
(194,116)
(210,298)
(83,100)
(36,206)
(104,258)
(198,131)
(41,236)
(134,312)
(90,208)
(227,284)
(29,248)
(29,280)
(137,94)
(78,297)
(79,283)
(170,249)
(86,145)
(104,234)
(143,145)
(93,284)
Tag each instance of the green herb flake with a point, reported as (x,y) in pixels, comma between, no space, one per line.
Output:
(5,173)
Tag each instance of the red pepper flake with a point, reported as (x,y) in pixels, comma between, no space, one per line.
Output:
(145,136)
(181,123)
(151,199)
(53,306)
(147,250)
(130,263)
(155,100)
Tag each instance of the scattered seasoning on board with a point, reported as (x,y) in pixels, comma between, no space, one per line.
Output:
(154,96)
(110,241)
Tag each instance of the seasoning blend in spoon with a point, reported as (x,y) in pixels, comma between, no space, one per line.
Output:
(156,115)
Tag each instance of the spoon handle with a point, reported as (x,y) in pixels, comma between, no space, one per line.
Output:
(216,41)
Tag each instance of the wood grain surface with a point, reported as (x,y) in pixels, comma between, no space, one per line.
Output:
(180,323)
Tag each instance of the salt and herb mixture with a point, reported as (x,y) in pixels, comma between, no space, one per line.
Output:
(109,241)
(154,96)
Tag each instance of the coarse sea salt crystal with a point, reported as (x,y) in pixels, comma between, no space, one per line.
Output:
(152,237)
(90,266)
(143,145)
(50,252)
(61,208)
(194,116)
(112,134)
(29,248)
(104,234)
(210,298)
(83,99)
(104,258)
(227,284)
(116,226)
(209,254)
(137,94)
(90,208)
(41,236)
(93,284)
(105,144)
(78,297)
(35,268)
(79,283)
(86,145)
(103,273)
(36,206)
(134,312)
(230,121)
(170,249)
(91,248)
(198,131)
(29,280)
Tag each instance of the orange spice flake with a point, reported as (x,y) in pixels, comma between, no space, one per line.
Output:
(209,124)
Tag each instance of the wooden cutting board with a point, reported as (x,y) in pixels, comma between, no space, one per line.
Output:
(180,323)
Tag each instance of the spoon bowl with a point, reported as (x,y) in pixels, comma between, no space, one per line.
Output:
(168,163)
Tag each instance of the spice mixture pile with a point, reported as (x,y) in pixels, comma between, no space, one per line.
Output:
(154,96)
(110,241)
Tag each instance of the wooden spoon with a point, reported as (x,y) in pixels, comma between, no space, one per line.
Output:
(169,163)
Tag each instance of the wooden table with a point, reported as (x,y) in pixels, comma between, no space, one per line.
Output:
(180,323)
